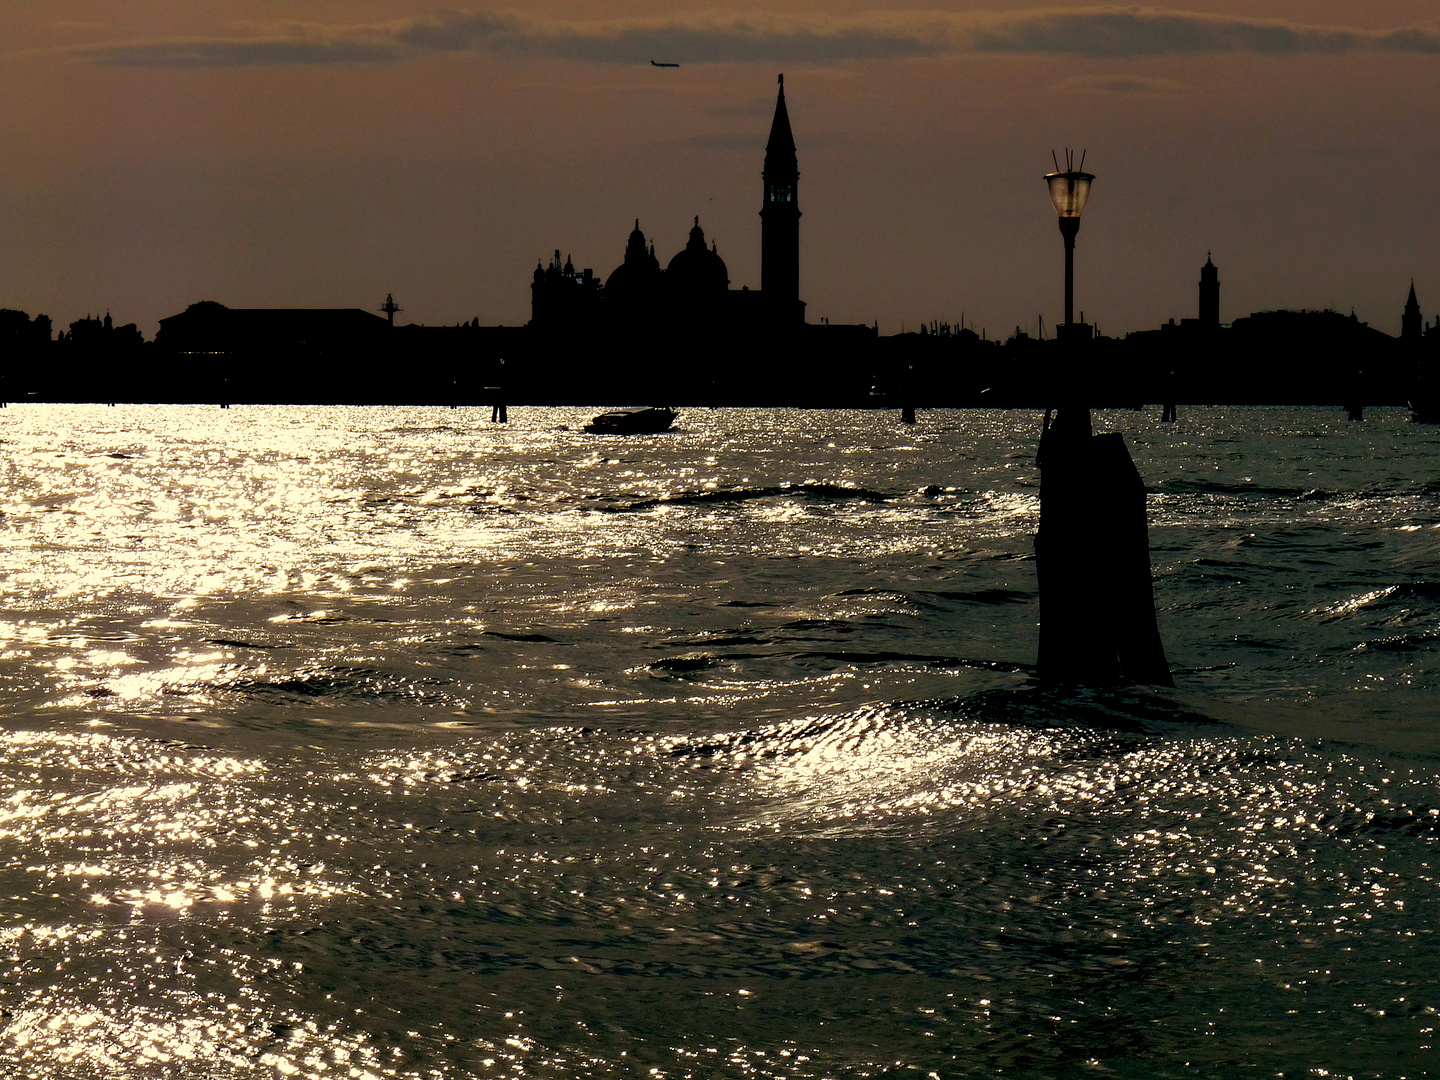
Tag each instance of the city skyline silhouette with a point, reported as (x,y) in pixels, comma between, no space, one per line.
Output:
(681,332)
(166,156)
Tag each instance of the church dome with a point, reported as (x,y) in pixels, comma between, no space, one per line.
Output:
(698,269)
(639,272)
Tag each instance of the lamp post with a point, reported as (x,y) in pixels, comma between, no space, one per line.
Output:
(1092,553)
(1069,191)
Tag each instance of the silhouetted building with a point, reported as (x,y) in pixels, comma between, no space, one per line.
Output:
(210,352)
(100,340)
(632,291)
(1411,324)
(697,278)
(1209,295)
(1421,348)
(1266,358)
(682,334)
(560,298)
(208,328)
(947,366)
(780,219)
(1208,321)
(694,287)
(93,360)
(1312,357)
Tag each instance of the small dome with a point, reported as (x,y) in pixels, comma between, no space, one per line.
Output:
(698,269)
(639,271)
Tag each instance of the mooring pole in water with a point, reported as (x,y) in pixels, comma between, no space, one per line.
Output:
(1167,414)
(1092,560)
(498,412)
(1092,554)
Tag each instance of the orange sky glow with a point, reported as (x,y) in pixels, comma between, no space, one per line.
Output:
(282,153)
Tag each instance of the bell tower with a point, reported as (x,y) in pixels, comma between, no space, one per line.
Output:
(1209,295)
(780,221)
(1411,324)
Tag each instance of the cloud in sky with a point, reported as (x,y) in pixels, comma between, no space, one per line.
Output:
(715,38)
(1132,85)
(1148,32)
(238,52)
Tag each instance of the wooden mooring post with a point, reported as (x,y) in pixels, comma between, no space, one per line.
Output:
(1092,556)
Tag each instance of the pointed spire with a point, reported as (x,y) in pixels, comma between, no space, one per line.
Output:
(1411,322)
(780,149)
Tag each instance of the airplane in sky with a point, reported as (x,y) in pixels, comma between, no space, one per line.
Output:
(656,63)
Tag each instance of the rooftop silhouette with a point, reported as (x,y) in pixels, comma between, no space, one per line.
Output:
(682,332)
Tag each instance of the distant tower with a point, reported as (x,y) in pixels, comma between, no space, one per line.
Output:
(780,219)
(390,308)
(1209,295)
(1411,325)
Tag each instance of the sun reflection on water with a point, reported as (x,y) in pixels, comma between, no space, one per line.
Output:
(531,754)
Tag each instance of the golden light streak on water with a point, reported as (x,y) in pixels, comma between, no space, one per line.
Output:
(386,743)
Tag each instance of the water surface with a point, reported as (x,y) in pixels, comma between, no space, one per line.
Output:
(343,742)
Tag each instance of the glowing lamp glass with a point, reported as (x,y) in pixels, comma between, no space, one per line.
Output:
(1069,191)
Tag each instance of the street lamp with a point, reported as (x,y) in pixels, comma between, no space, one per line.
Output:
(1068,191)
(1092,551)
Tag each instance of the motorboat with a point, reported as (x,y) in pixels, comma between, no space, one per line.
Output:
(632,422)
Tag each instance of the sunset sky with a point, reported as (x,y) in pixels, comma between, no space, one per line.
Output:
(278,153)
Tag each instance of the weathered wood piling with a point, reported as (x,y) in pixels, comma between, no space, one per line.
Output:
(1092,551)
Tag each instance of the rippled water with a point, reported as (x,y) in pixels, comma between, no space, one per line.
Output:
(391,743)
